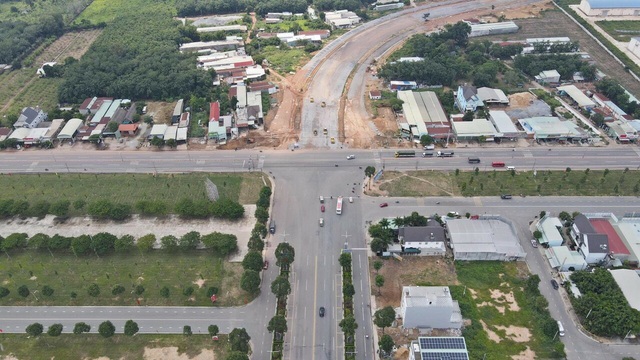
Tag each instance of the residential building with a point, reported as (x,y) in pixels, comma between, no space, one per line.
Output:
(423,112)
(177,111)
(100,113)
(629,282)
(550,228)
(375,95)
(562,258)
(602,225)
(231,43)
(622,131)
(437,348)
(578,97)
(185,119)
(593,246)
(486,238)
(341,19)
(429,239)
(552,128)
(609,105)
(128,129)
(474,130)
(503,124)
(548,77)
(324,34)
(4,133)
(35,136)
(429,307)
(492,96)
(30,118)
(607,8)
(70,130)
(467,98)
(91,105)
(53,128)
(19,134)
(227,28)
(263,86)
(505,27)
(220,129)
(402,85)
(158,131)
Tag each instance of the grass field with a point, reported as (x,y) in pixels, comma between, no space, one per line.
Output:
(93,346)
(621,30)
(107,10)
(496,182)
(129,188)
(284,61)
(504,321)
(41,92)
(154,270)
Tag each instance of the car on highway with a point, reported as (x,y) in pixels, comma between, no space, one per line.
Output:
(321,222)
(351,157)
(554,283)
(384,205)
(321,311)
(453,214)
(322,208)
(323,104)
(265,265)
(333,140)
(311,100)
(350,199)
(325,131)
(534,243)
(506,196)
(321,199)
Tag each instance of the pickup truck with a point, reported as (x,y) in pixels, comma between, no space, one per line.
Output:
(444,153)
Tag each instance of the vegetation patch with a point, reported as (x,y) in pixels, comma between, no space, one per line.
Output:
(120,346)
(488,182)
(284,59)
(54,278)
(621,30)
(602,308)
(508,314)
(128,189)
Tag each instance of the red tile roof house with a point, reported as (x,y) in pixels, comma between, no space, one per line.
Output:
(128,129)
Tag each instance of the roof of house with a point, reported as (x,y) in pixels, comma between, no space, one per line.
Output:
(468,91)
(70,128)
(158,130)
(314,32)
(577,95)
(549,73)
(583,224)
(28,115)
(603,226)
(128,127)
(477,127)
(5,131)
(492,95)
(424,296)
(375,93)
(598,243)
(629,283)
(502,122)
(478,236)
(422,233)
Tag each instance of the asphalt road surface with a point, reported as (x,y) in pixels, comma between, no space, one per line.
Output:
(300,178)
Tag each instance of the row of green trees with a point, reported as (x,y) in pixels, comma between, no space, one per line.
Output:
(105,243)
(602,308)
(348,323)
(566,65)
(281,288)
(107,210)
(253,261)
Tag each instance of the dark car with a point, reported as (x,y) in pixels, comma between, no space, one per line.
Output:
(384,205)
(322,208)
(265,265)
(321,311)
(505,196)
(555,284)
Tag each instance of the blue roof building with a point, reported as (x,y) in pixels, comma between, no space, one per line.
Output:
(606,8)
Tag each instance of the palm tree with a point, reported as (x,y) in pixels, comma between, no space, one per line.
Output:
(384,223)
(398,221)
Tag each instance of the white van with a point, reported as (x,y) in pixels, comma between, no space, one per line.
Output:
(560,328)
(511,167)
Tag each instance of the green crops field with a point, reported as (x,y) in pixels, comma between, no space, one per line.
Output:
(107,10)
(128,188)
(67,274)
(94,346)
(496,182)
(621,30)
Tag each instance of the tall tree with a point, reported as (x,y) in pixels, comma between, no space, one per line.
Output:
(386,343)
(106,329)
(278,324)
(250,281)
(348,324)
(239,340)
(379,282)
(35,329)
(384,317)
(281,286)
(369,171)
(131,328)
(285,254)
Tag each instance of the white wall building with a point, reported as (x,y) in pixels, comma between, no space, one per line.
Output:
(429,307)
(604,8)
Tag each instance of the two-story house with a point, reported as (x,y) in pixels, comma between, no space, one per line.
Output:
(594,247)
(429,239)
(30,118)
(467,98)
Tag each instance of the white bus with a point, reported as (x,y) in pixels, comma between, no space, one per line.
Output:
(339,206)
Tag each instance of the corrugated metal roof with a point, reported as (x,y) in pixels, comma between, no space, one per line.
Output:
(629,283)
(613,4)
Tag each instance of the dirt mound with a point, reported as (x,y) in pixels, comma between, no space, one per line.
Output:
(523,99)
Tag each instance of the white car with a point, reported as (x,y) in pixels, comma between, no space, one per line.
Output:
(453,214)
(351,157)
(534,243)
(350,199)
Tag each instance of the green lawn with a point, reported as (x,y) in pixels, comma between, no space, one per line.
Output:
(128,188)
(65,273)
(107,10)
(495,182)
(480,301)
(284,61)
(621,30)
(93,346)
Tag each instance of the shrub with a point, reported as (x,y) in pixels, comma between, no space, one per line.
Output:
(23,291)
(146,242)
(165,292)
(186,330)
(139,289)
(60,208)
(47,291)
(213,330)
(106,329)
(117,290)
(39,209)
(93,290)
(188,291)
(55,330)
(79,204)
(4,292)
(81,327)
(131,328)
(35,329)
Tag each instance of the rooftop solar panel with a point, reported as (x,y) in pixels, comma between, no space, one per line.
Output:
(442,343)
(444,356)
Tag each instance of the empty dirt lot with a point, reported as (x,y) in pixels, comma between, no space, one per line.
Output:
(553,24)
